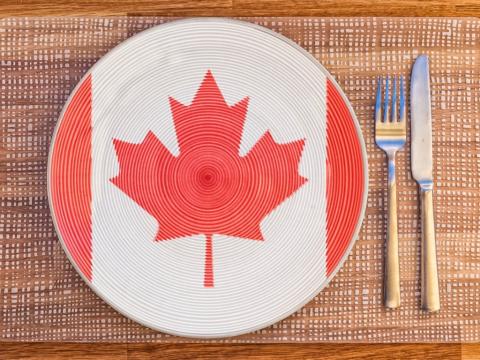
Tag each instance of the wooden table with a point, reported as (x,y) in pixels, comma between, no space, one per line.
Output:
(239,8)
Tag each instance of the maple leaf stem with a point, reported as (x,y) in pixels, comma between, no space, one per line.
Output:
(208,275)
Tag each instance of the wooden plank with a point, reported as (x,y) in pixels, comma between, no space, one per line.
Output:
(70,351)
(112,7)
(74,351)
(359,7)
(241,7)
(470,351)
(294,351)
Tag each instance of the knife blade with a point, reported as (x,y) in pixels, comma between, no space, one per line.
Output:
(422,171)
(421,122)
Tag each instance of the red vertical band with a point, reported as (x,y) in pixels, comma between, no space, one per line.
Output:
(345,178)
(70,176)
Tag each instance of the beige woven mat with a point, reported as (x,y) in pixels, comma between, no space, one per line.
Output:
(41,296)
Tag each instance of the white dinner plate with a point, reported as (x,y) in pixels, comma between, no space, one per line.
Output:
(207,177)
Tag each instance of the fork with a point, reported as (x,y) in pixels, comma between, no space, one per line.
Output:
(390,136)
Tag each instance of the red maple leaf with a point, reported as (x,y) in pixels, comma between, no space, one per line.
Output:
(208,188)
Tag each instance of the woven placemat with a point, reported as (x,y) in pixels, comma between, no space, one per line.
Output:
(43,299)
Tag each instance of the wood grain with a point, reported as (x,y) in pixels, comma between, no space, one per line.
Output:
(470,352)
(360,7)
(241,7)
(62,351)
(294,352)
(232,352)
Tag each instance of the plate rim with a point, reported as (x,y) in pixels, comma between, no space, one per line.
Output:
(359,134)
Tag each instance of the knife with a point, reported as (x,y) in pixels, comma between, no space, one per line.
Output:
(422,164)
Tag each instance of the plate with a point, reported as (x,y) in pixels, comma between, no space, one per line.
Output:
(207,177)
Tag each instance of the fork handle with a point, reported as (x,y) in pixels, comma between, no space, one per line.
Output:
(392,268)
(430,292)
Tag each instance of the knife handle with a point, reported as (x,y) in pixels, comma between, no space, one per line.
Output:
(392,267)
(429,275)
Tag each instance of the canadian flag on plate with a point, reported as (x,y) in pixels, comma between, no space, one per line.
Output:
(207,177)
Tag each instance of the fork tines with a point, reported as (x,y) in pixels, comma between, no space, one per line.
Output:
(390,127)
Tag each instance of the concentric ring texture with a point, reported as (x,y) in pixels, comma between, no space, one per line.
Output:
(207,178)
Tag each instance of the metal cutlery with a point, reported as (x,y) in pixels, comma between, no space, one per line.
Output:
(422,164)
(390,136)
